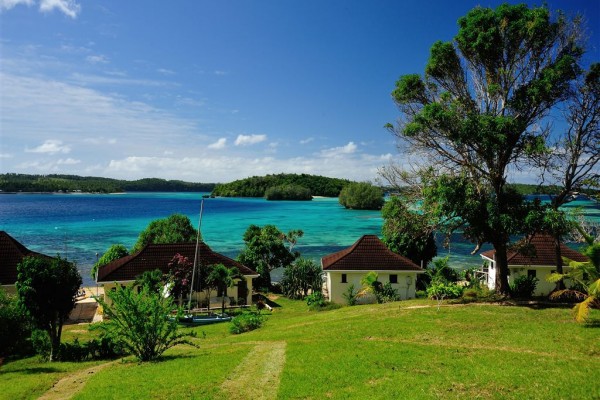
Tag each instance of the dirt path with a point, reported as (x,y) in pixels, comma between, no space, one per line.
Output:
(258,375)
(70,385)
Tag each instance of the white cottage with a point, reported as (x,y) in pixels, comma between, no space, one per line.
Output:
(369,253)
(538,259)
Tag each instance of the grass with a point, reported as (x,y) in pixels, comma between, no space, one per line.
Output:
(376,352)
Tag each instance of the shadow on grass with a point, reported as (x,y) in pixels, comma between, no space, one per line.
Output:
(592,323)
(30,371)
(265,299)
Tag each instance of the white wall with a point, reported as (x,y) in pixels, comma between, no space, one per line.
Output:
(336,288)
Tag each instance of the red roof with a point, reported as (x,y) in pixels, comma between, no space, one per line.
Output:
(540,252)
(158,256)
(11,254)
(367,254)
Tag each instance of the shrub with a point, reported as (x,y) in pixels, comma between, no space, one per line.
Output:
(470,294)
(387,293)
(350,295)
(440,291)
(325,306)
(420,294)
(15,327)
(317,299)
(523,286)
(246,322)
(40,340)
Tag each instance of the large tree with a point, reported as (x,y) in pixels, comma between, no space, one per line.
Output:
(176,228)
(47,288)
(268,248)
(479,109)
(221,277)
(113,253)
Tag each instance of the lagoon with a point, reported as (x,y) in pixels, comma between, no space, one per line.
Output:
(83,225)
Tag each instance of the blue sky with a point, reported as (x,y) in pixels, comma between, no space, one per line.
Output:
(211,91)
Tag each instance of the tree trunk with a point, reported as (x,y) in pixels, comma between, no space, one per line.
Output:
(560,285)
(502,286)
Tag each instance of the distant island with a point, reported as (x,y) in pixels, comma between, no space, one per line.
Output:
(282,187)
(55,183)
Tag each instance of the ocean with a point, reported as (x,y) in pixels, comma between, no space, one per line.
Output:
(83,226)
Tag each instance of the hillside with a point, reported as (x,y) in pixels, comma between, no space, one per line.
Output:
(257,186)
(52,183)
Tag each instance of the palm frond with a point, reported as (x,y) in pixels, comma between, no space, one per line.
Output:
(582,310)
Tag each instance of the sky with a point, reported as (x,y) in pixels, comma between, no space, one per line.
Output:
(212,91)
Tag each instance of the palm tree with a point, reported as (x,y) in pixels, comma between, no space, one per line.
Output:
(222,278)
(586,276)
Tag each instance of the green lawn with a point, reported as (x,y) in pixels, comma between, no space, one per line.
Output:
(376,352)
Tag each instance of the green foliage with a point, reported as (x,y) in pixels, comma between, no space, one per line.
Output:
(141,322)
(350,295)
(288,192)
(42,345)
(113,253)
(181,271)
(257,186)
(15,326)
(72,183)
(268,248)
(153,281)
(102,348)
(176,228)
(47,288)
(246,322)
(387,294)
(441,291)
(522,286)
(316,299)
(408,232)
(361,196)
(300,277)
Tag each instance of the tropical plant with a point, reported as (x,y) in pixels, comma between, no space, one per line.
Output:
(361,196)
(46,288)
(288,192)
(316,299)
(181,271)
(350,295)
(480,110)
(114,252)
(176,228)
(15,326)
(152,280)
(141,321)
(523,286)
(301,277)
(586,279)
(268,248)
(246,322)
(221,278)
(387,293)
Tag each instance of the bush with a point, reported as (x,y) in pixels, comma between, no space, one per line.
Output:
(288,192)
(361,196)
(387,293)
(325,306)
(523,286)
(40,340)
(317,299)
(350,295)
(15,327)
(246,322)
(440,291)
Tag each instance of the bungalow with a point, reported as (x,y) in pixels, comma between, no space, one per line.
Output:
(158,256)
(369,253)
(11,254)
(537,260)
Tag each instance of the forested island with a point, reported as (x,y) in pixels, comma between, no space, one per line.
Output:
(55,183)
(282,187)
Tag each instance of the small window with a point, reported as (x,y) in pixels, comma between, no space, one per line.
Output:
(531,273)
(394,278)
(344,278)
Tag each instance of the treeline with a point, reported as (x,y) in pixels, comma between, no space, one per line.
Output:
(257,186)
(55,183)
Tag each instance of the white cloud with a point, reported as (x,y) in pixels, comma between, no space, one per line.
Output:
(8,4)
(106,80)
(68,7)
(98,59)
(51,147)
(165,71)
(219,144)
(307,140)
(245,140)
(6,155)
(68,161)
(338,151)
(220,72)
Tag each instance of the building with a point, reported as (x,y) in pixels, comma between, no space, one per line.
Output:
(537,259)
(158,256)
(369,253)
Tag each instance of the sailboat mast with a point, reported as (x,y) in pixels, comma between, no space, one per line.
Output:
(196,255)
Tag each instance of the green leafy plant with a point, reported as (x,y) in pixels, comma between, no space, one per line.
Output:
(361,196)
(246,322)
(301,277)
(350,295)
(523,286)
(317,299)
(141,322)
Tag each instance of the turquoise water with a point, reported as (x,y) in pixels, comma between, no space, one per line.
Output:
(81,225)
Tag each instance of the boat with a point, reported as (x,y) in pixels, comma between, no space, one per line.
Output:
(193,320)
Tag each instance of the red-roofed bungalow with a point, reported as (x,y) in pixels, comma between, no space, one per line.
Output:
(369,253)
(537,259)
(11,254)
(158,256)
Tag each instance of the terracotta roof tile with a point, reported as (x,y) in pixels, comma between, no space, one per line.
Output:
(541,252)
(368,253)
(11,254)
(158,256)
